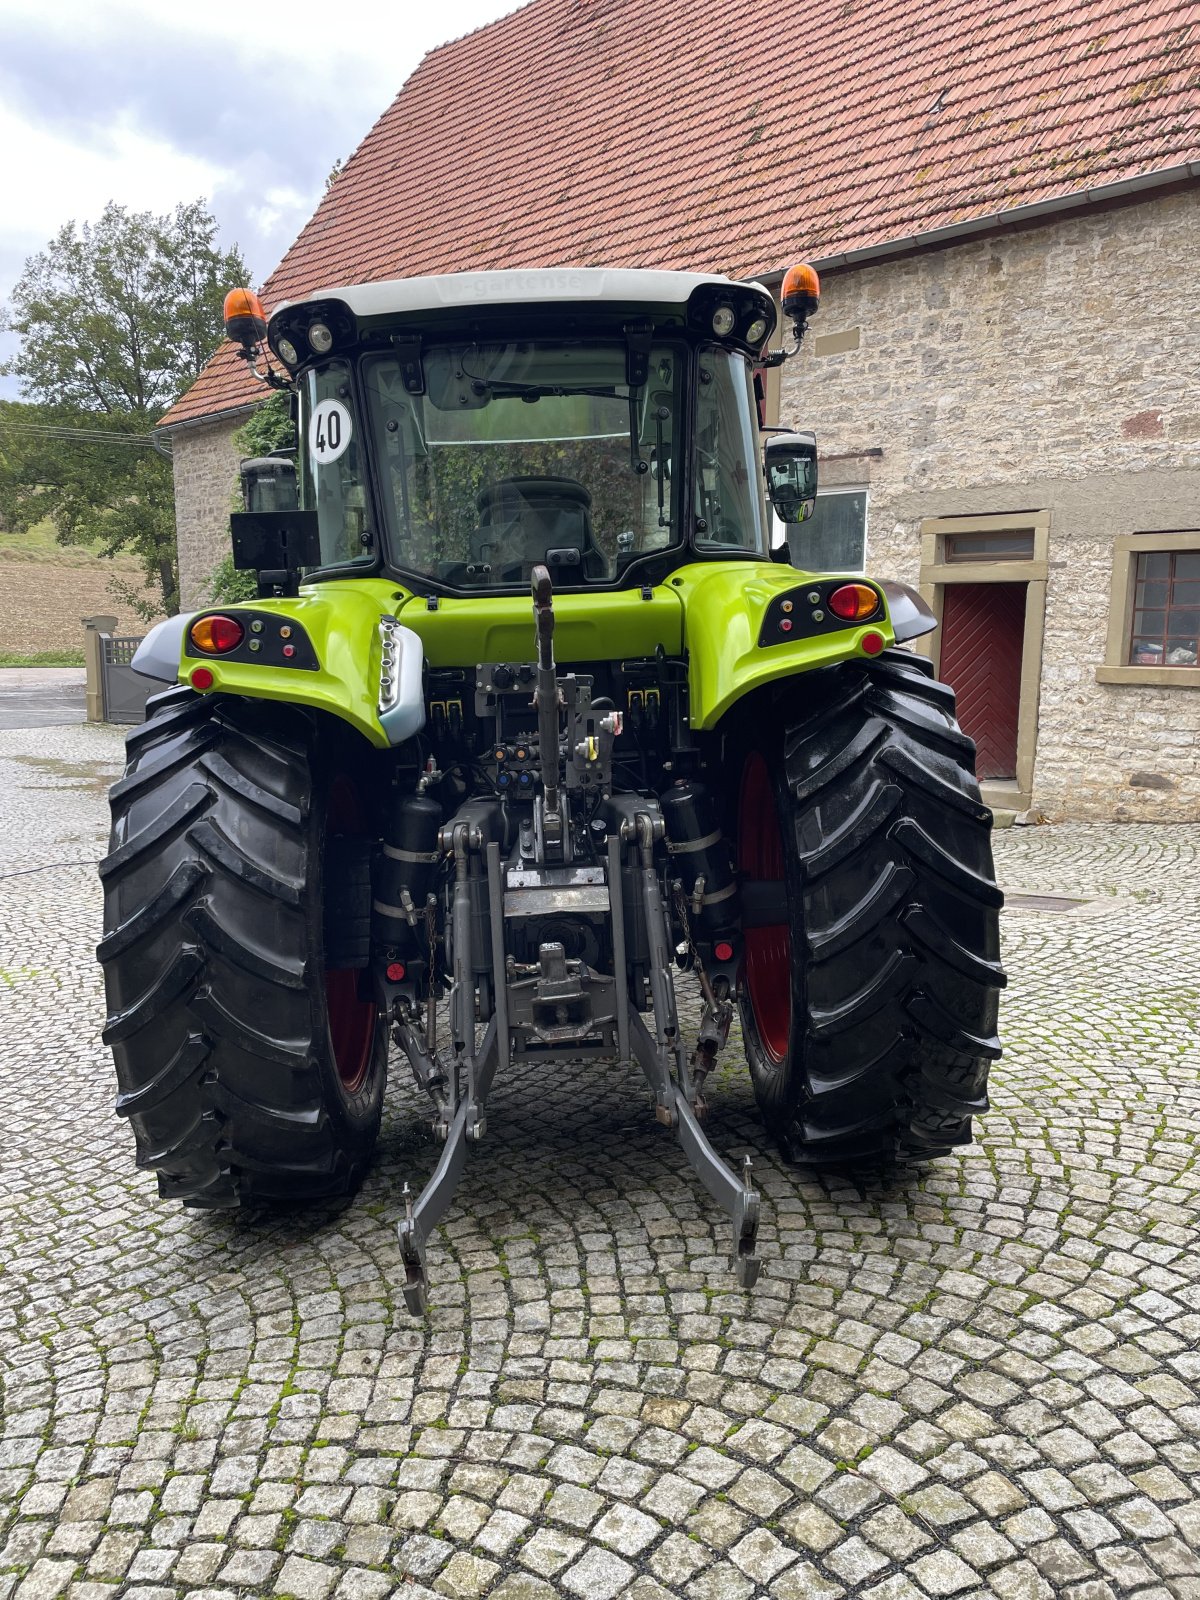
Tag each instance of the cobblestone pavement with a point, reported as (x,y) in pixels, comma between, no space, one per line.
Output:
(979,1379)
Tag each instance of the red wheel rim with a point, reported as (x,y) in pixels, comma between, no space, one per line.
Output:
(768,969)
(351,1018)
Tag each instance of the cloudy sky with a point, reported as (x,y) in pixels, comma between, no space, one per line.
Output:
(149,105)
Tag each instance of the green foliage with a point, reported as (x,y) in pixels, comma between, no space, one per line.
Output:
(227,585)
(42,658)
(121,315)
(268,428)
(115,319)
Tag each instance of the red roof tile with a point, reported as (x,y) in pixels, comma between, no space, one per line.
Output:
(736,135)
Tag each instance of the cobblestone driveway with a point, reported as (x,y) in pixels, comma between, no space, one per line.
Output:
(979,1380)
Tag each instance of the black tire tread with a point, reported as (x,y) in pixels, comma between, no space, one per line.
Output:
(208,957)
(896,922)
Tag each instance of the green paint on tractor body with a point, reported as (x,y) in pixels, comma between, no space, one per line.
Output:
(708,613)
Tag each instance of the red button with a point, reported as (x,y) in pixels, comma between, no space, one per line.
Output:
(202,678)
(289,649)
(785,626)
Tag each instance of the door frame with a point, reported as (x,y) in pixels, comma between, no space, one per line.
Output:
(937,572)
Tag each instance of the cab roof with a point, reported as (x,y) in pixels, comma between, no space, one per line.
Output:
(535,286)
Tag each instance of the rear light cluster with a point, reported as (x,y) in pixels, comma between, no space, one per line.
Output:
(854,602)
(217,635)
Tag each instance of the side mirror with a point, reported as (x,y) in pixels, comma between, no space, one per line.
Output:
(791,467)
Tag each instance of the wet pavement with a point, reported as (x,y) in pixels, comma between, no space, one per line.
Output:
(42,697)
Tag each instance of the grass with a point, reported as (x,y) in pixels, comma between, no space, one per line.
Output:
(39,544)
(42,658)
(39,538)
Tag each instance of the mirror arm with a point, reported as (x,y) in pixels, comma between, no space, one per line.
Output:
(250,354)
(776,358)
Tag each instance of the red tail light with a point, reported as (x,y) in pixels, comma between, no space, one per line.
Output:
(217,636)
(854,602)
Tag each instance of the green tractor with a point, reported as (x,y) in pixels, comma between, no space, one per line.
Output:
(530,717)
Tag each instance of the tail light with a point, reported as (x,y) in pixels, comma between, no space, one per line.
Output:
(854,602)
(216,636)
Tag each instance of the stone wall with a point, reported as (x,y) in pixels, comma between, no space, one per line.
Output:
(1053,368)
(206,468)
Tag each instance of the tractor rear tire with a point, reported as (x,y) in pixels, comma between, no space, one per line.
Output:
(871,990)
(250,1063)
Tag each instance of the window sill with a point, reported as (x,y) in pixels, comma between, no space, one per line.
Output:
(1151,677)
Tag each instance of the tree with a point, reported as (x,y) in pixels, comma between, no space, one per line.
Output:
(267,429)
(116,319)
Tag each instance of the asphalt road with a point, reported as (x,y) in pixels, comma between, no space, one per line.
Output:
(42,697)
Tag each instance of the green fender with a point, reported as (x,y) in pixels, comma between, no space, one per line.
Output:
(713,611)
(725,604)
(341,622)
(340,619)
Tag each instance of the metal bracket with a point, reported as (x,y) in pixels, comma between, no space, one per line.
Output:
(422,1217)
(735,1196)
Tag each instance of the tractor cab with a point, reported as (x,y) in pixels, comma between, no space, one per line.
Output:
(457,432)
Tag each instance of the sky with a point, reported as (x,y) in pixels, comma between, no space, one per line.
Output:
(151,105)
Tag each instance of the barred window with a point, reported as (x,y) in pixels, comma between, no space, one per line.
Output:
(1165,620)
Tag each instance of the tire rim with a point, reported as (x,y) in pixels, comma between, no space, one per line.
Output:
(352,1019)
(768,961)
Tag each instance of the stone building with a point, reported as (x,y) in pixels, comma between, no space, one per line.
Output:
(1005,372)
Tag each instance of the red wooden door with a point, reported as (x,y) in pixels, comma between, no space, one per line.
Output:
(983,627)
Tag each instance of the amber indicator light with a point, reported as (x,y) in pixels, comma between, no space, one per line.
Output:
(854,602)
(217,636)
(245,319)
(801,289)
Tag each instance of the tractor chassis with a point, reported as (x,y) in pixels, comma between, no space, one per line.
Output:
(557,1007)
